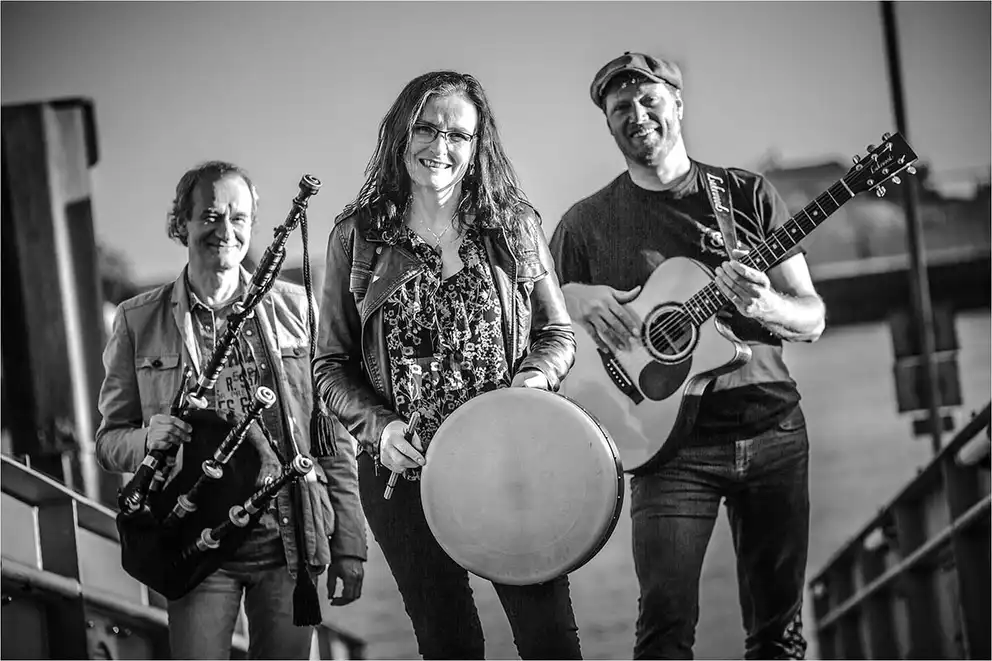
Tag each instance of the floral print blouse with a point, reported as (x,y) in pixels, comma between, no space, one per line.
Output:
(444,338)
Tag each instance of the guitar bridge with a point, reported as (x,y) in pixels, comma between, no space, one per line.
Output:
(618,375)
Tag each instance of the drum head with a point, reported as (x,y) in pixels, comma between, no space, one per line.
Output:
(521,486)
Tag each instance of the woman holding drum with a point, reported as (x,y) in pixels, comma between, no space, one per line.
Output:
(439,288)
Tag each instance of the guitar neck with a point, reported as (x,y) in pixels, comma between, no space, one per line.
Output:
(704,303)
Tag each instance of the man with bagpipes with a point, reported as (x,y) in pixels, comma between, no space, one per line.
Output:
(207,400)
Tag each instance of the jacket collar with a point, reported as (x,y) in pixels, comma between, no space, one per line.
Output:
(181,306)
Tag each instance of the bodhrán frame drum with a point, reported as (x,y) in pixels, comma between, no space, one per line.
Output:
(521,486)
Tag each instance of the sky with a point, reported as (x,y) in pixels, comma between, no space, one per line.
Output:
(286,88)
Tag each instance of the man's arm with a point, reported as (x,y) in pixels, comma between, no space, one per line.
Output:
(783,299)
(120,439)
(348,545)
(341,468)
(801,314)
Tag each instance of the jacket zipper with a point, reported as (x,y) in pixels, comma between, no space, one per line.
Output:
(409,275)
(367,314)
(511,324)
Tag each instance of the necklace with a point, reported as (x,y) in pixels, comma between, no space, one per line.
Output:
(437,237)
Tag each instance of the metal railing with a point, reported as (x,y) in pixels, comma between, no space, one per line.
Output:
(915,581)
(65,594)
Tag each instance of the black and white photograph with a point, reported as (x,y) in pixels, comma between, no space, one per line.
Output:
(517,329)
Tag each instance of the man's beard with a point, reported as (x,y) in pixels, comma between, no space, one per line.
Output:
(650,154)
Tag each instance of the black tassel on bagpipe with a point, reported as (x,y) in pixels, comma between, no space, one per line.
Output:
(321,430)
(322,442)
(306,602)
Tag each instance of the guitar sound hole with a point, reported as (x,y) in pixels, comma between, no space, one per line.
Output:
(669,334)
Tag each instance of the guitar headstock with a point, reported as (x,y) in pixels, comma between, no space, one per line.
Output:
(881,164)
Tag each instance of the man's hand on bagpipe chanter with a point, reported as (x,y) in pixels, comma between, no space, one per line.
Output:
(165,431)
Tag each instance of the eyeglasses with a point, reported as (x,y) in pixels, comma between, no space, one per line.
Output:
(427,133)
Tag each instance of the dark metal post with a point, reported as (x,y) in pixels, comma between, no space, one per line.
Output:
(918,278)
(973,634)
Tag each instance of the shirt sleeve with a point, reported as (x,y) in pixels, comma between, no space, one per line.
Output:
(341,469)
(120,439)
(569,253)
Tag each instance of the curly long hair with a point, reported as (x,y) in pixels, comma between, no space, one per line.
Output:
(182,205)
(489,189)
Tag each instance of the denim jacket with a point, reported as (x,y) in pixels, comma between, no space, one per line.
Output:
(363,269)
(152,338)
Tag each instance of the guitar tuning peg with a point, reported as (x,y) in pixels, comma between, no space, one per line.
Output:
(870,148)
(880,191)
(856,158)
(911,170)
(886,136)
(896,180)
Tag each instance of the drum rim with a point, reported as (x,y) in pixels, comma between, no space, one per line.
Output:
(608,530)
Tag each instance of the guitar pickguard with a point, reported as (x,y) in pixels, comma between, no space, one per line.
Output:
(659,381)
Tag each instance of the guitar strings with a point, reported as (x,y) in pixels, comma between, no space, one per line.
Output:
(683,321)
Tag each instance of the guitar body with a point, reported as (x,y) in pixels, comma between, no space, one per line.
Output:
(668,371)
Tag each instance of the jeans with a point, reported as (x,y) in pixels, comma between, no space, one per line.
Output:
(765,483)
(436,591)
(201,623)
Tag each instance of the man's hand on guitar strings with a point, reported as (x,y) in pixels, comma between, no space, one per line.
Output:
(601,311)
(748,289)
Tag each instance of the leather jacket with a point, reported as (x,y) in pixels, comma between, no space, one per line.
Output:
(363,269)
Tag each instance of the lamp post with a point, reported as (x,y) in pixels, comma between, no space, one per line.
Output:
(919,282)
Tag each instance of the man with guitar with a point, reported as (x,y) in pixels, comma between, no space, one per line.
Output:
(746,442)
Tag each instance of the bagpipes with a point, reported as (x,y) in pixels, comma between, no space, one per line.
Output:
(174,533)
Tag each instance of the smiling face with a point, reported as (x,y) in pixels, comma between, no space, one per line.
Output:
(645,119)
(220,224)
(437,162)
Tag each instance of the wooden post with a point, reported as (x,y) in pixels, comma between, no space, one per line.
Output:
(971,553)
(53,333)
(915,584)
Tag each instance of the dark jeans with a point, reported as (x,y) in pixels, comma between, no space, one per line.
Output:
(765,483)
(436,590)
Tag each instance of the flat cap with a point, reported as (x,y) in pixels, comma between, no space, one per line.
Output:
(652,68)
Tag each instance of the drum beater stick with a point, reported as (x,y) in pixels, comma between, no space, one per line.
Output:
(411,428)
